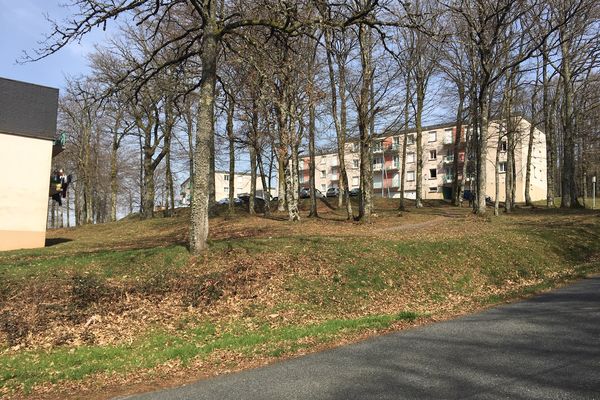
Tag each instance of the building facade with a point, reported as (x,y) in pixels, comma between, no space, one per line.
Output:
(242,183)
(438,163)
(28,115)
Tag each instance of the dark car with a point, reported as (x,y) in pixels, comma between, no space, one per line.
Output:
(333,192)
(304,193)
(354,192)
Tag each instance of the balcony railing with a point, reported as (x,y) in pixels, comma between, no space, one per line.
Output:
(377,148)
(448,178)
(377,167)
(448,159)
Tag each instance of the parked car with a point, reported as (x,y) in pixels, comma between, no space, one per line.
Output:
(304,193)
(333,192)
(225,201)
(354,192)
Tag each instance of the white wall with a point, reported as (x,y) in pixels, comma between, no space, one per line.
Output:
(25,163)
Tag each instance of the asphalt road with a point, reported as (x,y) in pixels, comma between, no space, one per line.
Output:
(544,348)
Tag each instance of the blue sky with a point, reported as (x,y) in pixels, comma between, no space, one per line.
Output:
(22,26)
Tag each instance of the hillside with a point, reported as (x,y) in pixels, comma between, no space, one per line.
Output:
(122,306)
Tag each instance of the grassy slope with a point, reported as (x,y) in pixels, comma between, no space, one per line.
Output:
(126,297)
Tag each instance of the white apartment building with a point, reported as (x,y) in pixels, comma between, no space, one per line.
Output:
(242,183)
(438,163)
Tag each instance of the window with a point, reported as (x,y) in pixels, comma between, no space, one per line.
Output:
(225,177)
(355,181)
(355,147)
(433,136)
(450,152)
(226,189)
(448,136)
(355,163)
(377,161)
(301,165)
(503,145)
(396,142)
(432,173)
(323,174)
(396,161)
(433,189)
(502,167)
(322,160)
(410,176)
(410,139)
(301,178)
(323,188)
(432,154)
(410,157)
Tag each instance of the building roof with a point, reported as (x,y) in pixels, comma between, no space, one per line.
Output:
(27,109)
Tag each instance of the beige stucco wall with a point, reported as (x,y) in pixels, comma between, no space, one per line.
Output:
(242,183)
(538,188)
(26,164)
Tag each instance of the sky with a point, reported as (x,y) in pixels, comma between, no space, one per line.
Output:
(23,25)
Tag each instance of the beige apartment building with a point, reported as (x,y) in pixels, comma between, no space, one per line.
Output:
(242,182)
(28,116)
(438,163)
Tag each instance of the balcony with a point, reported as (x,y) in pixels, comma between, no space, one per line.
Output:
(448,159)
(377,167)
(448,178)
(378,148)
(448,139)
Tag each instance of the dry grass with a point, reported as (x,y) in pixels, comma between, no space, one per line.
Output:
(268,288)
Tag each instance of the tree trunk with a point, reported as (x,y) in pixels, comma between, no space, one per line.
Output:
(263,182)
(149,190)
(251,204)
(419,129)
(281,180)
(340,120)
(497,175)
(169,178)
(569,192)
(292,178)
(205,129)
(548,131)
(231,138)
(528,201)
(311,150)
(113,177)
(366,157)
(456,185)
(405,142)
(482,152)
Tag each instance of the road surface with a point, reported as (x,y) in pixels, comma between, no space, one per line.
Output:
(547,347)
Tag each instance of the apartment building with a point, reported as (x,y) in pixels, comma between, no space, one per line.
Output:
(28,115)
(438,163)
(242,182)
